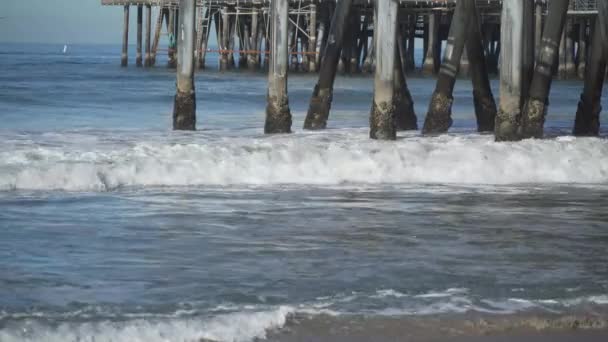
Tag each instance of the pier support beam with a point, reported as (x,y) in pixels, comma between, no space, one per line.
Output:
(184,109)
(225,40)
(533,117)
(512,45)
(411,43)
(382,116)
(156,40)
(561,68)
(428,67)
(278,114)
(405,117)
(312,43)
(320,37)
(252,57)
(587,122)
(570,66)
(320,102)
(538,27)
(368,63)
(439,116)
(465,66)
(171,23)
(140,18)
(124,58)
(582,49)
(147,61)
(485,105)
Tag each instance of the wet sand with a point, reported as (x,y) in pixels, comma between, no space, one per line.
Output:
(525,328)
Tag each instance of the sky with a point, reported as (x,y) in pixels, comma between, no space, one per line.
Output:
(63,22)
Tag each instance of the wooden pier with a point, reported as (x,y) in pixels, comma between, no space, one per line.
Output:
(534,40)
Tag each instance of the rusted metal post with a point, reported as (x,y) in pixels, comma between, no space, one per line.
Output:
(534,112)
(320,102)
(124,58)
(439,116)
(485,106)
(428,67)
(184,109)
(382,116)
(140,14)
(587,122)
(278,114)
(148,34)
(511,38)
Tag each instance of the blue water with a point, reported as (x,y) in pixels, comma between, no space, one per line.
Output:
(115,228)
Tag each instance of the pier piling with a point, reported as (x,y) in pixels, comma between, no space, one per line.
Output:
(124,58)
(439,116)
(147,62)
(184,109)
(278,114)
(225,39)
(171,25)
(252,57)
(405,117)
(140,13)
(320,101)
(582,49)
(534,112)
(587,122)
(157,29)
(429,66)
(511,38)
(312,42)
(382,116)
(485,105)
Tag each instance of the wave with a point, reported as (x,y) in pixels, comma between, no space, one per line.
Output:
(252,323)
(310,159)
(235,327)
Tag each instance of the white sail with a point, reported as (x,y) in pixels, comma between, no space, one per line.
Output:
(65,48)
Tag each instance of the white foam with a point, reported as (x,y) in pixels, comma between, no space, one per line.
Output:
(345,157)
(236,327)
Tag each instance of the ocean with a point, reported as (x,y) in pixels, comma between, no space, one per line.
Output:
(115,228)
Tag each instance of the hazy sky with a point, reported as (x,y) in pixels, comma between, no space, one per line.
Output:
(62,21)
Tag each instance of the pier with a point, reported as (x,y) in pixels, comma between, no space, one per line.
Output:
(526,43)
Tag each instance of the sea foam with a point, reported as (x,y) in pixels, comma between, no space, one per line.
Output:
(235,327)
(310,159)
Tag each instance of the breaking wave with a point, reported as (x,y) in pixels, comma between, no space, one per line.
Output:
(304,159)
(255,323)
(236,327)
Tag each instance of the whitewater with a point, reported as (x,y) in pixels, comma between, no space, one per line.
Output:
(115,228)
(63,162)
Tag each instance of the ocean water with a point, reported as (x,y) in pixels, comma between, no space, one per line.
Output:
(115,228)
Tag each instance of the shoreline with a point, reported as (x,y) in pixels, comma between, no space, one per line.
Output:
(585,327)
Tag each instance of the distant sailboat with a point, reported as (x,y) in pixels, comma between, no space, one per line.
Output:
(65,49)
